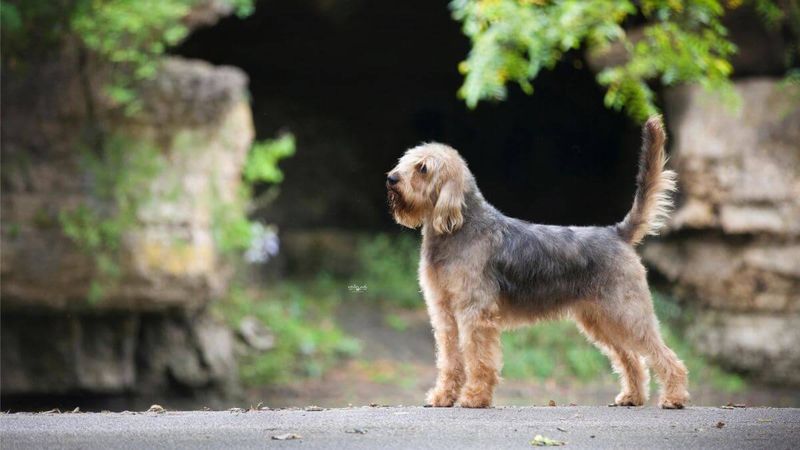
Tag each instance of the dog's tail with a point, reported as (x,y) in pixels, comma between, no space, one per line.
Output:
(654,184)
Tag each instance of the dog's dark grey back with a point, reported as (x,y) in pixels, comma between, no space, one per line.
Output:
(534,267)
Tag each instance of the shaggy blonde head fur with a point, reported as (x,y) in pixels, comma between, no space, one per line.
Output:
(430,188)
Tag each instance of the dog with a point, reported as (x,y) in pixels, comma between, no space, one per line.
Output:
(481,271)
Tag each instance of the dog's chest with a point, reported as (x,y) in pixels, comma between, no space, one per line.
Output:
(450,262)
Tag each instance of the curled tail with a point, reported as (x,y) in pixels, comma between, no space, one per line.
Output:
(652,203)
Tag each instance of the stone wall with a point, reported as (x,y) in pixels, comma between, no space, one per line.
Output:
(733,248)
(151,331)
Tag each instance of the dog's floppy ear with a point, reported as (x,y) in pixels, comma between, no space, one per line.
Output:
(447,216)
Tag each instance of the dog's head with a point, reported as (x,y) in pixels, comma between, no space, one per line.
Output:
(428,186)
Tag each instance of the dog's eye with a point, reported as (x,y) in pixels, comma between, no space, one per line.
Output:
(423,169)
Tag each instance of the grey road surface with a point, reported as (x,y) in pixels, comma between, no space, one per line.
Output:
(410,427)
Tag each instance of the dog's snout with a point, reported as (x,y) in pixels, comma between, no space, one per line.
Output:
(392,179)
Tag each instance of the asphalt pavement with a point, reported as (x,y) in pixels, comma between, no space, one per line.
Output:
(409,427)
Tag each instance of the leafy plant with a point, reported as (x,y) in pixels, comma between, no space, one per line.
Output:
(388,266)
(130,36)
(551,350)
(307,340)
(118,183)
(262,161)
(683,42)
(232,228)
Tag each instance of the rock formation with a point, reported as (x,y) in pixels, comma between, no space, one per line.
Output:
(151,331)
(733,249)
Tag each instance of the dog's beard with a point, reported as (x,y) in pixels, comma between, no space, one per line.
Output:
(396,202)
(401,210)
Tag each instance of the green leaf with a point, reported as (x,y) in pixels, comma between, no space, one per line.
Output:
(262,161)
(684,42)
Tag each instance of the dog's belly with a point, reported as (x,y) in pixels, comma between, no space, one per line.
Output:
(543,299)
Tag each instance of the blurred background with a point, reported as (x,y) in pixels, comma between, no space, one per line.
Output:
(193,210)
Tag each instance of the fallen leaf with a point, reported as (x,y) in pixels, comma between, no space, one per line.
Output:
(286,437)
(726,406)
(236,410)
(52,411)
(720,424)
(314,408)
(542,441)
(561,429)
(76,410)
(356,431)
(551,403)
(764,420)
(158,409)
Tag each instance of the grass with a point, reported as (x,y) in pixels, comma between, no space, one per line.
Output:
(388,266)
(551,350)
(300,315)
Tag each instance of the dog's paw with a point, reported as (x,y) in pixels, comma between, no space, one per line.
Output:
(673,402)
(628,399)
(475,399)
(441,398)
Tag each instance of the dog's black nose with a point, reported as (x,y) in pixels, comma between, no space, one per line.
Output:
(392,179)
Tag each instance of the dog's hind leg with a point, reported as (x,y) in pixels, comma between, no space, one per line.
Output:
(627,363)
(629,322)
(670,371)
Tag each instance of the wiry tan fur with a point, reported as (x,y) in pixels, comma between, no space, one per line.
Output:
(481,271)
(654,184)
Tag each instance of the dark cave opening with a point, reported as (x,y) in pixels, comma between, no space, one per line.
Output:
(358,83)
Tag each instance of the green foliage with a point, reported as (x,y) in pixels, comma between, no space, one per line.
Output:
(684,41)
(396,322)
(119,183)
(9,17)
(388,266)
(131,32)
(29,26)
(307,340)
(132,35)
(232,229)
(262,161)
(129,35)
(551,350)
(558,350)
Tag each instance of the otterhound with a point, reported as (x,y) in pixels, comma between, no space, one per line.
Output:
(481,271)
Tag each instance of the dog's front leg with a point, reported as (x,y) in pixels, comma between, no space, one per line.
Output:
(449,362)
(479,339)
